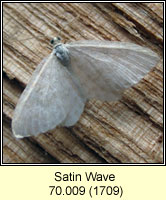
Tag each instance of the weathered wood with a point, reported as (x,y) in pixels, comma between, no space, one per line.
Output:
(127,131)
(22,151)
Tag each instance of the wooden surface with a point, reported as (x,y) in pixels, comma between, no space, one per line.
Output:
(126,131)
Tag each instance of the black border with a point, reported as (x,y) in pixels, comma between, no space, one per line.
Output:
(80,164)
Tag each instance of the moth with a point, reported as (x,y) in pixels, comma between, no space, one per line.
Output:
(72,74)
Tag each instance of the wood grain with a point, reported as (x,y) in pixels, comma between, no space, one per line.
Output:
(126,131)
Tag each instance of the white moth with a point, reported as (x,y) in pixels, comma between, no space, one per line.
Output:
(73,73)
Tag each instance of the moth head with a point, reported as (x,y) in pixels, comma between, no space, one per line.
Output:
(54,41)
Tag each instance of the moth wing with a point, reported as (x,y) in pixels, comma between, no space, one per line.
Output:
(50,99)
(105,69)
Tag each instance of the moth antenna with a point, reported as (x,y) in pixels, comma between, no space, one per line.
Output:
(63,28)
(54,41)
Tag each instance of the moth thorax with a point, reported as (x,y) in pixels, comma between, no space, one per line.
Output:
(62,54)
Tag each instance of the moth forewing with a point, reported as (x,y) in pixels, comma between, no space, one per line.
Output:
(47,101)
(106,69)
